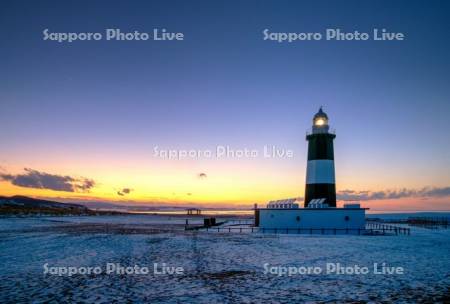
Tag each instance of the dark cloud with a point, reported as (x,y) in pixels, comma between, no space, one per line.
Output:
(349,195)
(87,184)
(202,175)
(41,180)
(124,191)
(439,192)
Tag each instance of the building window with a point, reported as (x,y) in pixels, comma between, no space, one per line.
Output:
(347,218)
(297,219)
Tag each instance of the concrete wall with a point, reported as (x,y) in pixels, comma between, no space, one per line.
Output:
(333,218)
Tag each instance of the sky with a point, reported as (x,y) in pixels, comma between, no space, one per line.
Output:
(81,121)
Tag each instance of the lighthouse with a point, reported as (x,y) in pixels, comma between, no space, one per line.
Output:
(320,178)
(318,212)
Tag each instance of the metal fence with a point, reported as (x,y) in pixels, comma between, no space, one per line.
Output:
(388,228)
(371,229)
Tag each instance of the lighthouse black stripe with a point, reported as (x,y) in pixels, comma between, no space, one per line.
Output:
(320,146)
(316,191)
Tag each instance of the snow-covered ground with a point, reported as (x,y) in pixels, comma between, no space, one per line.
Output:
(218,267)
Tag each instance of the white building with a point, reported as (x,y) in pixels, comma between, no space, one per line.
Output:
(321,219)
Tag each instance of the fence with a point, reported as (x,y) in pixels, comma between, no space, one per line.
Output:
(376,229)
(423,222)
(389,228)
(240,222)
(429,222)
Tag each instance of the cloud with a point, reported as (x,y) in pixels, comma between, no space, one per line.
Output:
(202,175)
(124,191)
(42,180)
(439,192)
(349,195)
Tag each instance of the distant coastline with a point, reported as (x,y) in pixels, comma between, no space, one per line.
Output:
(27,206)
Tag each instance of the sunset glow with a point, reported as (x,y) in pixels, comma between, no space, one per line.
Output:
(87,116)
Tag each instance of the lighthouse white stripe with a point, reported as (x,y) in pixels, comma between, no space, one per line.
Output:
(320,171)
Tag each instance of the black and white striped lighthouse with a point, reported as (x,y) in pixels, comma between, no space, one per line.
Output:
(320,178)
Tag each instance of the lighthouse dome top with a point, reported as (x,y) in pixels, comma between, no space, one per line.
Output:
(320,120)
(320,114)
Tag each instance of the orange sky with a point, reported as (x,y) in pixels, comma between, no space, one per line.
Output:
(225,183)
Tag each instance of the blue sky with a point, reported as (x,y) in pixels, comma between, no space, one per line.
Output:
(225,85)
